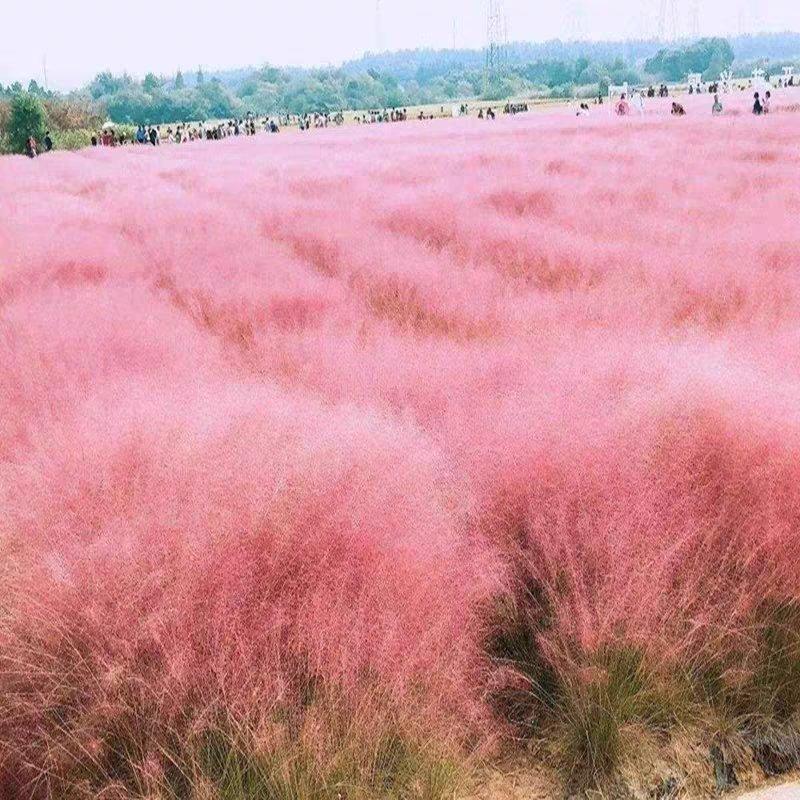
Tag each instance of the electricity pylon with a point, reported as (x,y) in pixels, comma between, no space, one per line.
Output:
(668,21)
(496,39)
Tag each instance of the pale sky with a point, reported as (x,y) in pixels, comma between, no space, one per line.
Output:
(83,38)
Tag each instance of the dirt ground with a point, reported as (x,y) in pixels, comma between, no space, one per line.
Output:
(788,791)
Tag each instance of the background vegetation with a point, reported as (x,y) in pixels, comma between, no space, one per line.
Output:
(399,79)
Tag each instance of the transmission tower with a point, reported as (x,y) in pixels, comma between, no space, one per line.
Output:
(378,28)
(496,38)
(575,19)
(694,19)
(668,21)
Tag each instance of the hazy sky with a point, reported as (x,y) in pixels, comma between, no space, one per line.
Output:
(83,38)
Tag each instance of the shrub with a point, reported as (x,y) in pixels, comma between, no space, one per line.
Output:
(72,139)
(27,118)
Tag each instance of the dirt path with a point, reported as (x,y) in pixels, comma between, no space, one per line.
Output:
(790,791)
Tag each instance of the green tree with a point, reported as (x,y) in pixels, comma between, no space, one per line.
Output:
(105,83)
(150,83)
(179,80)
(709,56)
(27,118)
(200,76)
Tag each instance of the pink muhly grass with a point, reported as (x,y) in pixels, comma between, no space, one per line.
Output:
(278,438)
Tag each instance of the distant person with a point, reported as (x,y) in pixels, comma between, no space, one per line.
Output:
(622,108)
(639,101)
(489,114)
(480,114)
(153,136)
(758,109)
(48,142)
(30,147)
(716,109)
(766,105)
(678,110)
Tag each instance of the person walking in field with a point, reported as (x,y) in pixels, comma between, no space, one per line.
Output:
(758,109)
(48,142)
(30,147)
(622,109)
(716,109)
(678,110)
(767,102)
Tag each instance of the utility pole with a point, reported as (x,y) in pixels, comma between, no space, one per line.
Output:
(44,72)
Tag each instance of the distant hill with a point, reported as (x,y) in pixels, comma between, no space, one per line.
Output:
(406,65)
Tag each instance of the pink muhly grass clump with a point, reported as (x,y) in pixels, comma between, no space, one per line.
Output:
(281,443)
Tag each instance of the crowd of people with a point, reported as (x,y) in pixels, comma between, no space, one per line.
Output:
(761,105)
(152,134)
(155,135)
(376,116)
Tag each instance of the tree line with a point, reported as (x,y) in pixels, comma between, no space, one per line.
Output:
(399,79)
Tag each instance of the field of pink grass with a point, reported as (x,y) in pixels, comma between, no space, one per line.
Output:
(342,436)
